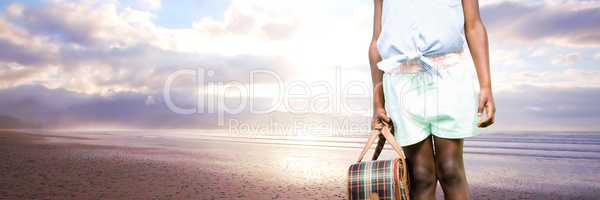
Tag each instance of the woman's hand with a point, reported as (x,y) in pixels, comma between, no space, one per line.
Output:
(486,102)
(379,116)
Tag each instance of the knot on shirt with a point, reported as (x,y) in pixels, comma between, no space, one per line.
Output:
(422,60)
(413,62)
(428,66)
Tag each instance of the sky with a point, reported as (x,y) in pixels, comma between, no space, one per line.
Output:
(204,63)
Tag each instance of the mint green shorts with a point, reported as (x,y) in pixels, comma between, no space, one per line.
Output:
(421,103)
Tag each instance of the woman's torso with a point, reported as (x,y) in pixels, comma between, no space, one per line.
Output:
(415,28)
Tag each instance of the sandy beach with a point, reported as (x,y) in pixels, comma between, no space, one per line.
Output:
(146,165)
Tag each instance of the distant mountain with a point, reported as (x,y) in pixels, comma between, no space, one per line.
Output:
(58,108)
(29,106)
(8,122)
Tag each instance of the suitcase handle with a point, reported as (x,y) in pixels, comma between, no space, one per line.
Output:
(387,134)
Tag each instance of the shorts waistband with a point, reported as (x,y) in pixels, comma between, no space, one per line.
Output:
(440,61)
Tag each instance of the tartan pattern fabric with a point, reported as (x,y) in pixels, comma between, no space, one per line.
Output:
(379,176)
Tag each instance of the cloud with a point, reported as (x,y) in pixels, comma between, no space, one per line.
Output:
(567,59)
(529,107)
(539,52)
(149,4)
(23,47)
(15,10)
(89,24)
(568,24)
(95,47)
(565,78)
(144,71)
(14,74)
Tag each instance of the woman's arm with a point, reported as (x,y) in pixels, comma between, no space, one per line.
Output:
(379,113)
(376,74)
(477,40)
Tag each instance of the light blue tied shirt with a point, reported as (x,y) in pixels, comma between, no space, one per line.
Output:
(418,29)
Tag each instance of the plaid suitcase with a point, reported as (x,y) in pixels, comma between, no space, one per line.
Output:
(379,179)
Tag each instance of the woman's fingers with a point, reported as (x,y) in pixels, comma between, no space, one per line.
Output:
(481,105)
(385,117)
(491,108)
(486,123)
(490,111)
(379,120)
(480,109)
(376,125)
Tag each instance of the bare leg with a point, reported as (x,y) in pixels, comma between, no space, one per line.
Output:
(421,167)
(450,168)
